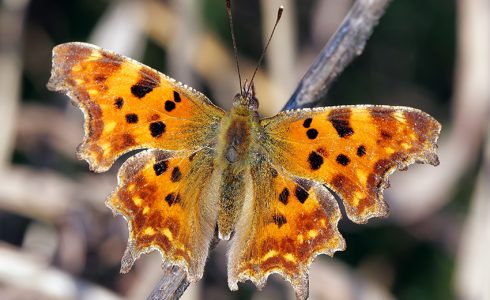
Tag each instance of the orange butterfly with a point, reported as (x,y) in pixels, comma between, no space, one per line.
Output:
(263,183)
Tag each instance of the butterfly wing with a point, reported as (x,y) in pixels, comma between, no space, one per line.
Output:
(289,216)
(129,106)
(351,149)
(168,201)
(163,195)
(285,223)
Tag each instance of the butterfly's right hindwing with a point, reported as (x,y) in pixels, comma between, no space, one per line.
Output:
(168,200)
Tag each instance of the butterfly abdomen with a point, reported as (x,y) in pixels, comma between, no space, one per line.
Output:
(237,133)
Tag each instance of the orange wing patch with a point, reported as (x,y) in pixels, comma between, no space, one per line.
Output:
(168,205)
(352,149)
(284,224)
(128,105)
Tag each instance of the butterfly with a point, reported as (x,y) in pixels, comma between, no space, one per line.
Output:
(266,184)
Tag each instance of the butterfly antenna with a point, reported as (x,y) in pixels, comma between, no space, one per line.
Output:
(279,15)
(235,51)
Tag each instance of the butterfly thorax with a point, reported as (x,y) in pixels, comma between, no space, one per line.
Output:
(238,130)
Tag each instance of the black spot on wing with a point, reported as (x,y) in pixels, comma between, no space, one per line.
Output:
(140,90)
(172,199)
(307,123)
(176,175)
(301,194)
(176,97)
(132,118)
(340,121)
(169,105)
(160,167)
(149,80)
(279,220)
(118,103)
(315,160)
(343,159)
(312,133)
(361,151)
(284,196)
(157,129)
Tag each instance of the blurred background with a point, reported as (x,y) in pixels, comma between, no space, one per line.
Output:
(59,241)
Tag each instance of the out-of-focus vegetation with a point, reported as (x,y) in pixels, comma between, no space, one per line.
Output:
(59,241)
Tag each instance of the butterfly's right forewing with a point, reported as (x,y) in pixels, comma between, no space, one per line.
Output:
(166,193)
(128,105)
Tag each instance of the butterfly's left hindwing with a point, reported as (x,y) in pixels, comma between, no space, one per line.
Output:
(285,223)
(351,149)
(128,105)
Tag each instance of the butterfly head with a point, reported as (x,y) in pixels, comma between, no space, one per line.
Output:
(246,98)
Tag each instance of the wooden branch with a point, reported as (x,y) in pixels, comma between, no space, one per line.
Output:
(48,196)
(11,27)
(31,274)
(347,43)
(471,130)
(174,281)
(171,286)
(461,143)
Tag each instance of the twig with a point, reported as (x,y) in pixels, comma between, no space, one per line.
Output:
(460,146)
(174,282)
(30,273)
(184,44)
(347,43)
(282,56)
(11,27)
(47,196)
(171,286)
(473,267)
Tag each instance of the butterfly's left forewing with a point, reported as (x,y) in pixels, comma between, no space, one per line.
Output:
(351,149)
